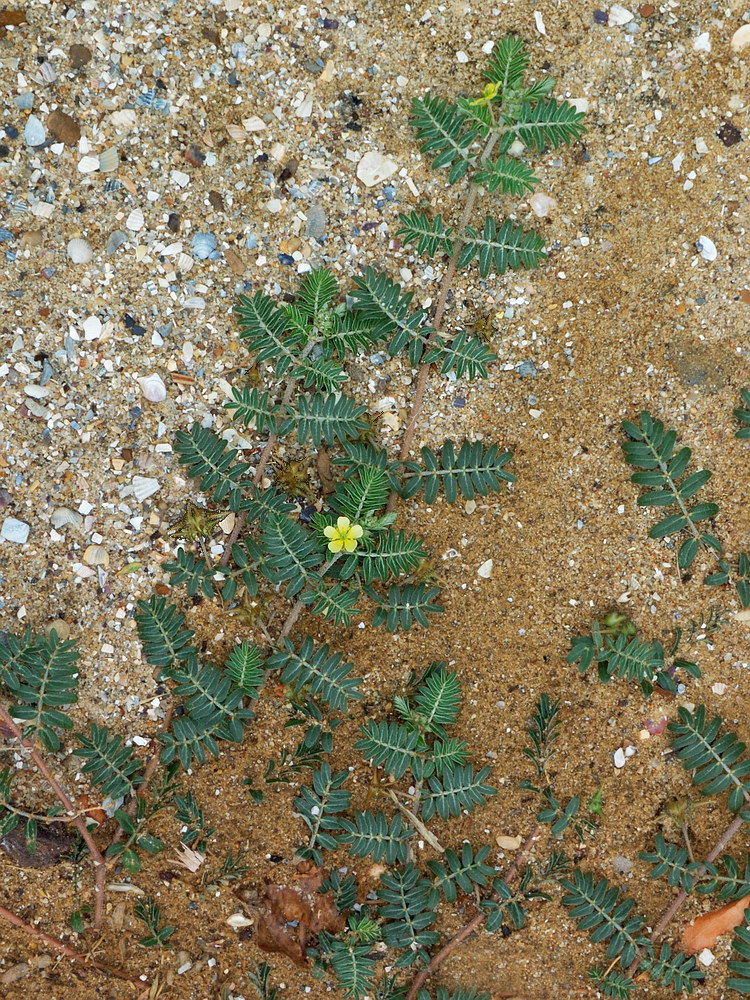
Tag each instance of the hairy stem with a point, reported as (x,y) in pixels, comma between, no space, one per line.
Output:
(669,914)
(475,923)
(97,859)
(442,301)
(291,618)
(60,946)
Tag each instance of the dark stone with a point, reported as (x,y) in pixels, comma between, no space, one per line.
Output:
(729,134)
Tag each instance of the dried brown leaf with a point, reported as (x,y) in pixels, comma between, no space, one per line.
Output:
(301,902)
(704,931)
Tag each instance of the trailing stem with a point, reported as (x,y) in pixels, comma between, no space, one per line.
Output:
(474,924)
(65,949)
(669,914)
(445,287)
(97,859)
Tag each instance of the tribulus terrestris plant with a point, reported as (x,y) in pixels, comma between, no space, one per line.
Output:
(325,542)
(421,774)
(662,469)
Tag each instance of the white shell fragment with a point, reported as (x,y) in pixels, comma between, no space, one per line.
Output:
(135,220)
(80,251)
(619,14)
(706,248)
(741,38)
(374,167)
(539,21)
(144,487)
(14,530)
(238,920)
(485,570)
(619,757)
(63,517)
(153,388)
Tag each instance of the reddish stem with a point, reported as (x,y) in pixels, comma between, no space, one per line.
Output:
(475,923)
(12,918)
(669,914)
(97,859)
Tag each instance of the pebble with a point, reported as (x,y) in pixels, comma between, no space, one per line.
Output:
(64,128)
(80,251)
(316,222)
(619,757)
(14,530)
(153,388)
(508,843)
(116,240)
(619,15)
(542,204)
(92,328)
(462,57)
(79,55)
(34,132)
(706,957)
(703,42)
(622,865)
(485,570)
(706,248)
(88,164)
(25,101)
(374,167)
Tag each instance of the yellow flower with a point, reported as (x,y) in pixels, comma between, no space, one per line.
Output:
(490,93)
(343,535)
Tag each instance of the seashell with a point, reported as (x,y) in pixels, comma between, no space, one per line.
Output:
(135,220)
(109,160)
(80,251)
(741,38)
(237,133)
(237,920)
(153,388)
(126,118)
(96,555)
(63,517)
(254,124)
(113,184)
(204,245)
(145,487)
(184,262)
(5,235)
(92,328)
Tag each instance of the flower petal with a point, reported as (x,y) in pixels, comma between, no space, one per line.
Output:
(342,523)
(336,545)
(329,531)
(350,544)
(356,531)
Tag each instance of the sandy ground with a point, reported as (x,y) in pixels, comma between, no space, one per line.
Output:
(625,315)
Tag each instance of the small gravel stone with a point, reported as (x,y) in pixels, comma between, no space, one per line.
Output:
(374,167)
(14,530)
(34,132)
